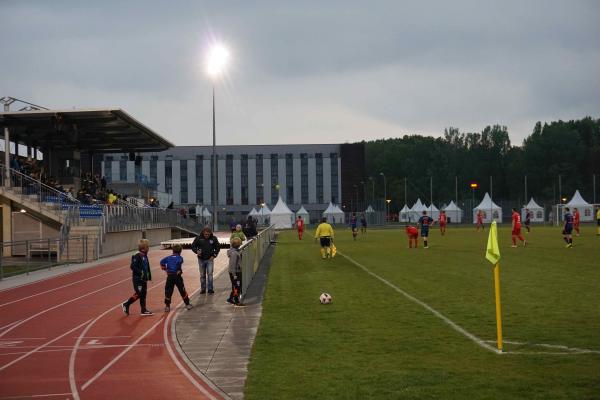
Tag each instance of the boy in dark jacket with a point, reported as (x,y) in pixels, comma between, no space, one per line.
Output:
(141,274)
(235,272)
(206,247)
(172,266)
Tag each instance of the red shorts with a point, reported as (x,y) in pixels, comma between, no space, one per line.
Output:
(413,236)
(516,231)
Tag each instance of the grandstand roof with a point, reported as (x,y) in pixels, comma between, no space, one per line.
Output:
(97,130)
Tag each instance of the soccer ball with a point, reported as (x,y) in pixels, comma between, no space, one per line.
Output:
(325,298)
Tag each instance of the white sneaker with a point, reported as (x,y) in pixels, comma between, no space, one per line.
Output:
(146,313)
(189,307)
(167,308)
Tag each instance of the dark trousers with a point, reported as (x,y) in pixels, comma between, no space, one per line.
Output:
(172,281)
(140,288)
(236,288)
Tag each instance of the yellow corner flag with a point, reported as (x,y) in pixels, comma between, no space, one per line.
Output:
(493,250)
(492,254)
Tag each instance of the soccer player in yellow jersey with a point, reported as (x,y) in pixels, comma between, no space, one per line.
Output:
(325,234)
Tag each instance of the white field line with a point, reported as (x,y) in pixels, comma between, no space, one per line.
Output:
(43,345)
(117,358)
(183,370)
(566,350)
(36,396)
(77,346)
(53,349)
(482,343)
(60,287)
(11,324)
(60,305)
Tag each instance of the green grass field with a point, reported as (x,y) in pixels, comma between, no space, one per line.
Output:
(372,342)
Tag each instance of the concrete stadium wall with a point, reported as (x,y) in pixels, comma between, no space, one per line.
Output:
(121,242)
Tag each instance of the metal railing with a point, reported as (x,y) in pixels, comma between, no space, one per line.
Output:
(25,256)
(28,188)
(252,253)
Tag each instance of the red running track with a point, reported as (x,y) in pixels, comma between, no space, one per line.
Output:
(67,337)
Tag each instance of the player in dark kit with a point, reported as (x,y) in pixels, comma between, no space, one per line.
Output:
(527,220)
(140,274)
(568,228)
(354,226)
(425,221)
(172,266)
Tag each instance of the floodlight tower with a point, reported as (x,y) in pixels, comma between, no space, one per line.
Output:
(217,60)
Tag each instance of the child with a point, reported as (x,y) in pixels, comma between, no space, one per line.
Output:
(235,272)
(568,228)
(576,220)
(353,226)
(480,220)
(300,227)
(516,229)
(413,235)
(172,266)
(238,233)
(141,274)
(527,220)
(442,220)
(425,221)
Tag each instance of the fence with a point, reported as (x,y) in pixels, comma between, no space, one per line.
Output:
(24,256)
(252,253)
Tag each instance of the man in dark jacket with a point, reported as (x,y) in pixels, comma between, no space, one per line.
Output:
(250,228)
(206,246)
(141,274)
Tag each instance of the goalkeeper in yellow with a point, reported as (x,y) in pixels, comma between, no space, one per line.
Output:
(325,234)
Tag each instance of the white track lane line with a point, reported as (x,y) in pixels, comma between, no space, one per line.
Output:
(183,370)
(36,396)
(11,324)
(482,343)
(56,349)
(117,358)
(61,287)
(43,345)
(77,345)
(60,305)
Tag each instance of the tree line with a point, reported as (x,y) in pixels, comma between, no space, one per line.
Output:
(557,158)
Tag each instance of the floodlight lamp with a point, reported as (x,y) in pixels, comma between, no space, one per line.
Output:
(474,185)
(218,57)
(388,201)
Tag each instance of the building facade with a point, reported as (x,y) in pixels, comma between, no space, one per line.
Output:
(247,175)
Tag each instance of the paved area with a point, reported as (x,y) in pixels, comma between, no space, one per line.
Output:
(218,337)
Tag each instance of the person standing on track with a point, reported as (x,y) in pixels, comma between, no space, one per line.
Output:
(325,235)
(206,247)
(576,220)
(172,266)
(425,221)
(300,227)
(442,221)
(141,274)
(516,229)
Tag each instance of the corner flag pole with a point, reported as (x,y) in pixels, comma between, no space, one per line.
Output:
(492,254)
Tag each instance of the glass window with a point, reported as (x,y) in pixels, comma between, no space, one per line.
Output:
(319,170)
(199,179)
(304,177)
(229,179)
(183,178)
(259,179)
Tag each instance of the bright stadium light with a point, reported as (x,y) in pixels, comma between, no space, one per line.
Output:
(218,58)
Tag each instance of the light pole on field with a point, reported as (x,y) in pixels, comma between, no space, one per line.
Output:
(372,188)
(218,57)
(384,194)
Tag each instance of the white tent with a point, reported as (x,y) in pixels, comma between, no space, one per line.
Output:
(537,211)
(487,206)
(404,214)
(263,214)
(416,211)
(453,213)
(586,210)
(253,212)
(304,214)
(433,211)
(369,209)
(281,216)
(334,214)
(206,213)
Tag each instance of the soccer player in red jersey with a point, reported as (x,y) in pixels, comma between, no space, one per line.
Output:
(442,221)
(300,227)
(480,220)
(413,236)
(576,219)
(516,228)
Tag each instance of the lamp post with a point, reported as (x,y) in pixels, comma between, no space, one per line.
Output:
(218,58)
(372,188)
(384,194)
(364,193)
(473,186)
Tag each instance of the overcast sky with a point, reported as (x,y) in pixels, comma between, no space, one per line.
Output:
(309,72)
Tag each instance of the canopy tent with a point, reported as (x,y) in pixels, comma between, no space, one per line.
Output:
(263,214)
(537,211)
(453,213)
(487,206)
(405,214)
(433,211)
(253,212)
(334,214)
(586,210)
(281,215)
(369,209)
(304,214)
(206,213)
(416,211)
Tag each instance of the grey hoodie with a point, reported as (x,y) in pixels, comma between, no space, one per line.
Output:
(235,260)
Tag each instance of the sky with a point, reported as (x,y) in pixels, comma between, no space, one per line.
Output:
(308,71)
